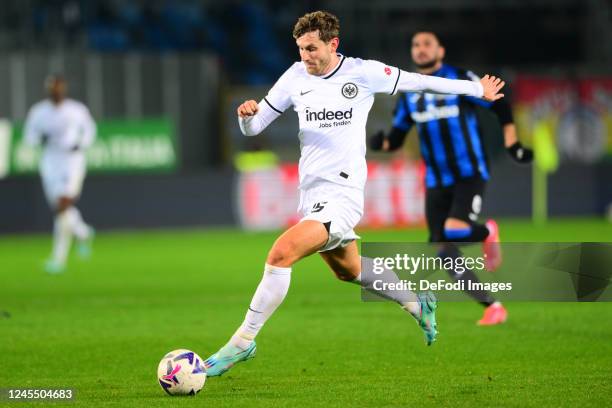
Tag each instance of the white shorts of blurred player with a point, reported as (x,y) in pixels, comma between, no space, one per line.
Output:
(338,207)
(62,175)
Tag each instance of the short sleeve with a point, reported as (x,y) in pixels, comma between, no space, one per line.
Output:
(381,78)
(279,96)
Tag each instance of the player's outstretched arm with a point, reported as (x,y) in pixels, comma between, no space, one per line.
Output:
(254,117)
(487,88)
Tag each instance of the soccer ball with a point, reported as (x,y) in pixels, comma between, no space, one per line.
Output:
(181,372)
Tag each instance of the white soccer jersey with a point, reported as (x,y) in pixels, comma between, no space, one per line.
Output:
(65,126)
(68,129)
(333,110)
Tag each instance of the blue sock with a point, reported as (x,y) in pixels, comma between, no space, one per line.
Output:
(453,234)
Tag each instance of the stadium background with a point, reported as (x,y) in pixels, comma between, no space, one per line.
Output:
(173,72)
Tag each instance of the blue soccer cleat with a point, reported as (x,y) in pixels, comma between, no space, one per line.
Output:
(226,357)
(427,322)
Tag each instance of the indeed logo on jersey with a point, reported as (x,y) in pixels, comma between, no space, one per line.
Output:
(435,113)
(340,118)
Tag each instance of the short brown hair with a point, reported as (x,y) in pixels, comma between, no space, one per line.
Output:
(428,31)
(326,23)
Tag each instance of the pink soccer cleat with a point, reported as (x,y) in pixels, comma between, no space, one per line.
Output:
(491,247)
(494,314)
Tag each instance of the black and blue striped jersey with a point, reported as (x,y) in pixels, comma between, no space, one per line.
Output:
(450,136)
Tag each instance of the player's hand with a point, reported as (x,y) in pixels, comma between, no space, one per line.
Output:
(248,108)
(520,154)
(490,88)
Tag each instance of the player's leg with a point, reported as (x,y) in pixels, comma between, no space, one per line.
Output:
(462,226)
(438,205)
(461,223)
(83,232)
(495,312)
(53,175)
(348,266)
(297,242)
(62,235)
(62,183)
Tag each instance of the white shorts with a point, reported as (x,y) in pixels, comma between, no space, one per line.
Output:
(62,176)
(338,207)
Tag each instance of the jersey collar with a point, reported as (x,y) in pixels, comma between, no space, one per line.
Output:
(440,72)
(337,67)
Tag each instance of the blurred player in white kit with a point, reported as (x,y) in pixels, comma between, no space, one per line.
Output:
(65,129)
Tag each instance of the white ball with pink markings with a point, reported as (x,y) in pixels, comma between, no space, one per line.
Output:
(181,372)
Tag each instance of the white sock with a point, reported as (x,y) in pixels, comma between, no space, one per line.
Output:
(268,296)
(80,230)
(62,237)
(406,299)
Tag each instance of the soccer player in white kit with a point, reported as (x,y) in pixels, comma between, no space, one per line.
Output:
(65,129)
(332,95)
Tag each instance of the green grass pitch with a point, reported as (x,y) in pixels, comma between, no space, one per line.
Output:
(102,327)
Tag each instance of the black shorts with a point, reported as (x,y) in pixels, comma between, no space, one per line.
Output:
(463,201)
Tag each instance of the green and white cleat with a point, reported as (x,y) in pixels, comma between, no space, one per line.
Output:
(427,322)
(226,357)
(53,267)
(85,246)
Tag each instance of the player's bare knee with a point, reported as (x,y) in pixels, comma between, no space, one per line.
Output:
(282,255)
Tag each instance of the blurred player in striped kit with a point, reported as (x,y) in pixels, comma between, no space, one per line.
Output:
(65,129)
(456,164)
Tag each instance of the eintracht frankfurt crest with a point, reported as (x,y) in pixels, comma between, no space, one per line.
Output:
(349,90)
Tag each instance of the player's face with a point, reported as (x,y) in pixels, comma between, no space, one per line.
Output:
(315,53)
(426,50)
(57,89)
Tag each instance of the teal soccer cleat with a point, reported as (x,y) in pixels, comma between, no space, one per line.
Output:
(53,267)
(85,245)
(427,322)
(226,357)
